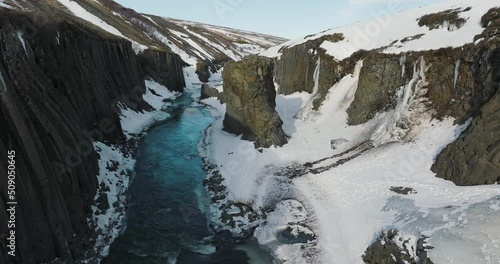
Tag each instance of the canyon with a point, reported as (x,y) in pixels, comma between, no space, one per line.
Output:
(323,149)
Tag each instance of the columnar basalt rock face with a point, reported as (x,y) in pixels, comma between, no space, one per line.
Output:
(164,67)
(295,68)
(475,157)
(250,98)
(56,83)
(379,79)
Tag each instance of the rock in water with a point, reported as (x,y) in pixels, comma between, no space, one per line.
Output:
(250,98)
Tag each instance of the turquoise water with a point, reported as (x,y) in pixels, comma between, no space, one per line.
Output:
(167,201)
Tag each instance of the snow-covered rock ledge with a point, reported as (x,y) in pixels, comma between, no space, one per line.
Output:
(116,164)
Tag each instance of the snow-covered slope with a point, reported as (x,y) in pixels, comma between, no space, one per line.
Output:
(400,32)
(193,41)
(211,41)
(354,181)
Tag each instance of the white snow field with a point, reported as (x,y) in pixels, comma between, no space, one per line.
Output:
(349,205)
(389,27)
(82,13)
(135,122)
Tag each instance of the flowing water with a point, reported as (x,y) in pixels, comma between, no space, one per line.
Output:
(166,218)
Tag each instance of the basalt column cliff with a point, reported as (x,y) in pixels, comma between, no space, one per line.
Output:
(60,85)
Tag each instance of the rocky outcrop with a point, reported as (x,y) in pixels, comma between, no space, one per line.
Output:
(379,79)
(207,91)
(295,68)
(59,87)
(475,157)
(491,22)
(449,18)
(164,67)
(250,98)
(391,248)
(205,68)
(203,71)
(456,86)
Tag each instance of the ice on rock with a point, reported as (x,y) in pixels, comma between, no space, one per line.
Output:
(396,123)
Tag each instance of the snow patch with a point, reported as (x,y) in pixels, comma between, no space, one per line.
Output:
(286,212)
(4,5)
(228,52)
(455,78)
(134,122)
(197,48)
(150,19)
(184,56)
(21,39)
(110,223)
(3,85)
(82,13)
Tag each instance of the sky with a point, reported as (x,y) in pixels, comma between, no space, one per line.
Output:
(285,18)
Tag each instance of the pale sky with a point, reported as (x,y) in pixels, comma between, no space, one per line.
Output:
(284,18)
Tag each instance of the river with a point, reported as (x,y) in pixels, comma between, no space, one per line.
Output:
(166,219)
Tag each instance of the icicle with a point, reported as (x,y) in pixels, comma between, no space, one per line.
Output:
(402,62)
(316,76)
(20,37)
(302,114)
(357,69)
(455,79)
(3,85)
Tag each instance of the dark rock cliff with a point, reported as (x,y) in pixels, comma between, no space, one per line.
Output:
(380,77)
(59,86)
(205,68)
(164,67)
(250,96)
(295,69)
(475,157)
